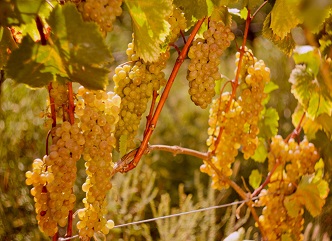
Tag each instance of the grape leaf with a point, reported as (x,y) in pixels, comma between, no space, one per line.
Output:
(7,44)
(244,13)
(32,61)
(268,124)
(309,126)
(261,151)
(309,195)
(193,10)
(80,46)
(324,143)
(255,178)
(150,26)
(308,55)
(270,86)
(306,89)
(292,205)
(286,44)
(281,25)
(314,14)
(221,13)
(18,12)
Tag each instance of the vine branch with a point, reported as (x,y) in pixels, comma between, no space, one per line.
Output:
(149,130)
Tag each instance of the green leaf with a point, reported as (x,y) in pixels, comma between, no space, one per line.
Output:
(221,13)
(255,178)
(324,144)
(261,151)
(309,126)
(286,44)
(319,170)
(309,195)
(315,14)
(270,86)
(150,26)
(7,44)
(32,62)
(323,188)
(16,12)
(319,104)
(244,13)
(292,205)
(268,125)
(29,9)
(193,10)
(306,89)
(308,55)
(285,15)
(81,47)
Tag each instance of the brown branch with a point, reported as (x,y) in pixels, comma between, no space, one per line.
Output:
(297,130)
(259,8)
(70,224)
(267,180)
(175,150)
(148,132)
(175,47)
(149,117)
(40,29)
(235,83)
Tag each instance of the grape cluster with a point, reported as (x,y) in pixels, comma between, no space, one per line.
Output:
(98,114)
(227,149)
(204,57)
(278,224)
(297,159)
(294,160)
(178,24)
(53,177)
(251,101)
(233,122)
(103,12)
(135,83)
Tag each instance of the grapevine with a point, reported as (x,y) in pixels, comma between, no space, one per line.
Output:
(236,121)
(100,124)
(294,161)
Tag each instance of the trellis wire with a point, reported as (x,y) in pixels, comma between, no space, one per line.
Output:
(173,215)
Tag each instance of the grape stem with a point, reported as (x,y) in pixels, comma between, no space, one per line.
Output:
(40,29)
(235,83)
(71,106)
(297,130)
(153,102)
(148,132)
(121,165)
(175,150)
(267,180)
(70,224)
